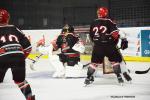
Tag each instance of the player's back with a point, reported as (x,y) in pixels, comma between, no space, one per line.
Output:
(10,47)
(100,21)
(100,31)
(103,25)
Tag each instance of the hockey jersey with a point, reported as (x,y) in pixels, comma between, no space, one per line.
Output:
(66,42)
(100,31)
(13,42)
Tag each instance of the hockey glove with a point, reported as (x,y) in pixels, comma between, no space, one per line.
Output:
(124,44)
(27,52)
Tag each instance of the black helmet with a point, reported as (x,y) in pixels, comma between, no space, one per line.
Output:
(68,28)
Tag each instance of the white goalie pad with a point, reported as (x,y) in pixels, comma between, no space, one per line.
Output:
(79,46)
(75,72)
(59,68)
(54,60)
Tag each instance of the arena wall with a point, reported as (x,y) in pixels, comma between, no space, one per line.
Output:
(132,34)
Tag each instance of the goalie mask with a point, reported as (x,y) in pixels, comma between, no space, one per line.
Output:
(4,16)
(102,12)
(68,29)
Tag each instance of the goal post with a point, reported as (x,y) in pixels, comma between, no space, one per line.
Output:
(107,67)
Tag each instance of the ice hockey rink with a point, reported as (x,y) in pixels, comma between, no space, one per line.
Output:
(105,87)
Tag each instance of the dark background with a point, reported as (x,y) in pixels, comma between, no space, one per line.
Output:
(53,14)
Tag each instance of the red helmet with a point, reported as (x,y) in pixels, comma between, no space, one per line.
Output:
(102,12)
(4,16)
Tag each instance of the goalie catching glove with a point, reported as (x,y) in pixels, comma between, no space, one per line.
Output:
(124,43)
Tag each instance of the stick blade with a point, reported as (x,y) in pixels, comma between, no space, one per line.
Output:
(142,72)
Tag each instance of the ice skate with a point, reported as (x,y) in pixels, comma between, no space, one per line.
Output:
(120,80)
(89,80)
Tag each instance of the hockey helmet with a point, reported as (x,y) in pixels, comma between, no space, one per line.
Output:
(4,16)
(68,29)
(102,12)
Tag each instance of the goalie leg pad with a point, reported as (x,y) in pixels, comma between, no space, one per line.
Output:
(59,67)
(75,71)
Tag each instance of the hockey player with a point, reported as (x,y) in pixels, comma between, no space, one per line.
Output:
(68,56)
(105,34)
(52,57)
(14,49)
(65,41)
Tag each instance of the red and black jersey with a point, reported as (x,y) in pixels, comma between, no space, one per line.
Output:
(13,41)
(100,31)
(66,42)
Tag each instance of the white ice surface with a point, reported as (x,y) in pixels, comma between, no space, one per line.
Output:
(104,87)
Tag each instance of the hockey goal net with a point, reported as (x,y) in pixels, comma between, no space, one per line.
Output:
(83,31)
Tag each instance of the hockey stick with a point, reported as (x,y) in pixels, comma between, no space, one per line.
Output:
(34,61)
(136,72)
(86,65)
(142,72)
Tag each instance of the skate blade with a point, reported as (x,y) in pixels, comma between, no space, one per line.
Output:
(130,82)
(85,85)
(88,84)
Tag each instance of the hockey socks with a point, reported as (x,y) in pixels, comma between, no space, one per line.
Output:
(117,71)
(90,77)
(127,76)
(120,80)
(26,90)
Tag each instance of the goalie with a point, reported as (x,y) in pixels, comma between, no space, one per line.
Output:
(67,62)
(68,42)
